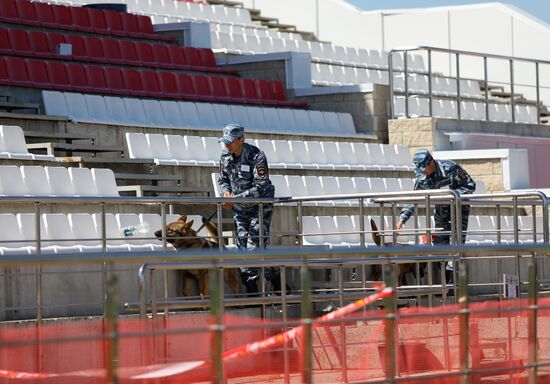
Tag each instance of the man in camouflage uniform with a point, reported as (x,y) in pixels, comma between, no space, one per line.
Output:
(435,174)
(244,172)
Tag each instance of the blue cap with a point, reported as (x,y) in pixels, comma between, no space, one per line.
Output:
(422,159)
(231,132)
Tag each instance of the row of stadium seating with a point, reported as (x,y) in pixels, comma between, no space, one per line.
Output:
(107,50)
(172,114)
(81,232)
(13,145)
(41,14)
(56,181)
(469,110)
(184,10)
(54,75)
(345,230)
(252,30)
(286,154)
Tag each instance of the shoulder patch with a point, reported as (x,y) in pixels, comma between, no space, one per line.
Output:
(261,169)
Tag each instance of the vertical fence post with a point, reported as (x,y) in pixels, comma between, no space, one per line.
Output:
(285,319)
(307,353)
(463,324)
(343,342)
(216,327)
(390,304)
(532,358)
(38,271)
(111,327)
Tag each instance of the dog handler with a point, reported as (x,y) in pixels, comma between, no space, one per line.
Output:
(244,172)
(435,174)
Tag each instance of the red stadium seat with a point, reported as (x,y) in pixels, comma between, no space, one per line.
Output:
(278,90)
(151,84)
(39,44)
(97,19)
(54,39)
(185,85)
(81,19)
(177,56)
(57,73)
(93,47)
(145,25)
(233,88)
(17,71)
(217,88)
(145,53)
(62,16)
(5,46)
(114,22)
(26,11)
(168,83)
(192,56)
(160,53)
(77,77)
(38,73)
(115,79)
(79,47)
(131,25)
(8,11)
(248,89)
(264,90)
(44,15)
(200,85)
(4,77)
(128,51)
(96,78)
(207,57)
(111,51)
(132,80)
(19,41)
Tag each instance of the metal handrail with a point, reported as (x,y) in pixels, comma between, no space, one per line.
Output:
(457,53)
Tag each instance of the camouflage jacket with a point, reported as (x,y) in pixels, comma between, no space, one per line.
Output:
(447,174)
(246,176)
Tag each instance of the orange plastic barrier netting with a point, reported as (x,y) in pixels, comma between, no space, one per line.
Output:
(177,349)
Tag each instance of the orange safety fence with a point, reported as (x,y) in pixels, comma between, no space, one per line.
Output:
(345,347)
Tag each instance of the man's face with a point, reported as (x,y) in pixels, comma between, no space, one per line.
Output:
(236,146)
(430,168)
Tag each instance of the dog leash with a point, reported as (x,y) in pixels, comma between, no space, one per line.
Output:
(205,221)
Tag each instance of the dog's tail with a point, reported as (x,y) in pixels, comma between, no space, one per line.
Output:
(375,233)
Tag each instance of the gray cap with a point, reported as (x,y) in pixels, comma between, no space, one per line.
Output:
(422,159)
(231,132)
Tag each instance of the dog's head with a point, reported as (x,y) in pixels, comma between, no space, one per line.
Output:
(180,233)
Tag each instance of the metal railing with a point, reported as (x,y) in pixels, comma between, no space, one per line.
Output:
(457,76)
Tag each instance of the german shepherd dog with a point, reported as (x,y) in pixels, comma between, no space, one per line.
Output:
(181,235)
(402,269)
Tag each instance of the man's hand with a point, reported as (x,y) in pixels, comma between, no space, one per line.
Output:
(228,194)
(399,225)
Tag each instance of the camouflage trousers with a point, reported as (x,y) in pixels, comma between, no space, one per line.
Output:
(247,225)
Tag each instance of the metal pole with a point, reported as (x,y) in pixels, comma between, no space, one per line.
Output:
(512,94)
(390,68)
(300,225)
(164,245)
(285,318)
(486,79)
(104,266)
(390,304)
(464,326)
(216,326)
(261,224)
(343,348)
(430,85)
(111,327)
(537,80)
(362,221)
(307,355)
(532,355)
(406,84)
(220,229)
(458,86)
(38,270)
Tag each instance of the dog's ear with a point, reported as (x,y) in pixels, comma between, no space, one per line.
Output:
(189,225)
(375,234)
(183,218)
